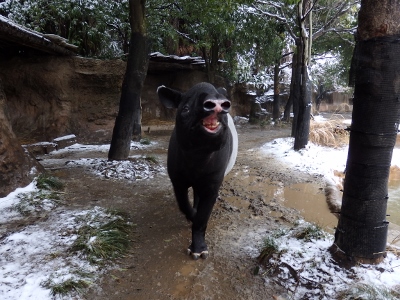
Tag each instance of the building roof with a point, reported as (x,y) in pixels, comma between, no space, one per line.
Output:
(15,38)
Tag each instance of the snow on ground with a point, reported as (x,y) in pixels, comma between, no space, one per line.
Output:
(6,203)
(312,160)
(36,257)
(306,269)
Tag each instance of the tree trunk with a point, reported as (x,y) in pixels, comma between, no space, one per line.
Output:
(276,105)
(302,128)
(289,104)
(361,233)
(288,108)
(296,92)
(304,112)
(212,61)
(128,121)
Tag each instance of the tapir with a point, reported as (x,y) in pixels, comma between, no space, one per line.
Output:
(202,150)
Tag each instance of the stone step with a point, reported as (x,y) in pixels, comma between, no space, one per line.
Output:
(47,147)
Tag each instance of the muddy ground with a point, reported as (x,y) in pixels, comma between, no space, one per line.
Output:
(157,266)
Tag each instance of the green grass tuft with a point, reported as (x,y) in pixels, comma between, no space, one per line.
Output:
(46,198)
(151,158)
(310,232)
(67,287)
(48,182)
(107,241)
(145,141)
(269,248)
(31,203)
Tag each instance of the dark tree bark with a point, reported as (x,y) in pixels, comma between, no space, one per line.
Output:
(212,60)
(361,233)
(301,127)
(128,122)
(296,92)
(304,112)
(289,104)
(276,105)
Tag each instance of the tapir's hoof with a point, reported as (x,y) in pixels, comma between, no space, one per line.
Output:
(196,256)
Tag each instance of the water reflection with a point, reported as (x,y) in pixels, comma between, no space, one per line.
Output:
(310,200)
(393,209)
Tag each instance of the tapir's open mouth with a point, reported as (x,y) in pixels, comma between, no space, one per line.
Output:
(211,124)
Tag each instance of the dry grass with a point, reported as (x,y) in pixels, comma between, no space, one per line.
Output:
(330,133)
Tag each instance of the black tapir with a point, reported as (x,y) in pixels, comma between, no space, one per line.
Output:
(202,150)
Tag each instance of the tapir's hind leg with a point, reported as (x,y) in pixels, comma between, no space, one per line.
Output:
(196,199)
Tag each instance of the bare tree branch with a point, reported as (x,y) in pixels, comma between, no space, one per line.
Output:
(343,8)
(352,43)
(285,66)
(186,36)
(288,28)
(268,14)
(261,8)
(309,10)
(281,17)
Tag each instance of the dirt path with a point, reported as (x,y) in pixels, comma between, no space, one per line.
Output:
(157,266)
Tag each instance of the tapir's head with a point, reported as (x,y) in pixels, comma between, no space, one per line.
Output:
(201,112)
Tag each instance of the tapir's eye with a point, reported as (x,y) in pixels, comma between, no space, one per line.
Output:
(185,109)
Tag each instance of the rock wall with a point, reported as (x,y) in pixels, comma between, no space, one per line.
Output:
(49,96)
(52,96)
(17,167)
(336,102)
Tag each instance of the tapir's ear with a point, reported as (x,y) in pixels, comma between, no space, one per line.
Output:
(169,98)
(222,91)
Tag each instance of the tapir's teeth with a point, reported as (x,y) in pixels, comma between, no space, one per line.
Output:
(211,125)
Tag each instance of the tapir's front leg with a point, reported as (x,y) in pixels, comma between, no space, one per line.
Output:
(181,195)
(206,201)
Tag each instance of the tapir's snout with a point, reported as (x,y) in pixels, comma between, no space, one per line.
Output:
(218,106)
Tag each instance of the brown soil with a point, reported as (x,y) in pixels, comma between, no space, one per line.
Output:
(157,266)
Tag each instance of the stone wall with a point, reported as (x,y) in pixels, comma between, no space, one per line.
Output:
(17,167)
(336,102)
(49,96)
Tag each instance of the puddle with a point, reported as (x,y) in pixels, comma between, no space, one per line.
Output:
(393,208)
(310,200)
(307,198)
